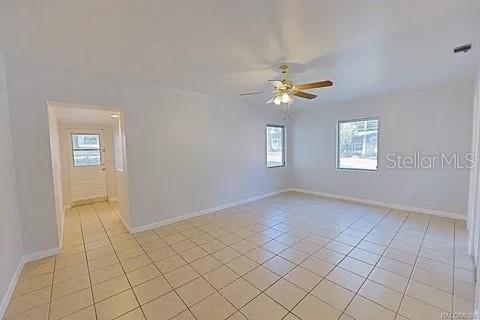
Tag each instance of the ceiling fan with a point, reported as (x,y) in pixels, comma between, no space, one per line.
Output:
(284,89)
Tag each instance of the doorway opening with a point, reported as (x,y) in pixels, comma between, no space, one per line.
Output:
(88,153)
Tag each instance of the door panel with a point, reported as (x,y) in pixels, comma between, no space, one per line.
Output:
(87,172)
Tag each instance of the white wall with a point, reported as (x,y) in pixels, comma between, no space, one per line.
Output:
(186,152)
(10,236)
(430,121)
(57,168)
(65,144)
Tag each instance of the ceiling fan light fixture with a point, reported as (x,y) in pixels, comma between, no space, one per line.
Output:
(277,100)
(285,98)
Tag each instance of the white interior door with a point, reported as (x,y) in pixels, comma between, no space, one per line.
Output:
(87,172)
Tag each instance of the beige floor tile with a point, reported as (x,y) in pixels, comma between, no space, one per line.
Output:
(402,269)
(382,295)
(106,273)
(239,292)
(151,290)
(226,255)
(274,246)
(291,316)
(346,279)
(435,297)
(161,253)
(195,291)
(205,264)
(389,279)
(116,306)
(38,313)
(356,266)
(329,256)
(260,255)
(279,265)
(263,307)
(170,263)
(363,309)
(333,294)
(241,265)
(215,307)
(464,290)
(213,246)
(221,277)
(193,254)
(237,316)
(70,304)
(261,277)
(365,256)
(243,246)
(136,262)
(463,306)
(165,307)
(136,314)
(183,245)
(28,285)
(28,301)
(285,293)
(180,276)
(294,255)
(311,308)
(37,270)
(70,273)
(110,288)
(130,253)
(303,278)
(102,262)
(65,288)
(143,274)
(415,309)
(433,279)
(185,315)
(317,266)
(84,314)
(153,245)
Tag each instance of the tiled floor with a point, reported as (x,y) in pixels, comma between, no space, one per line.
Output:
(291,256)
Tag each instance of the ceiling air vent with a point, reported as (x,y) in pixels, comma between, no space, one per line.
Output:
(464,48)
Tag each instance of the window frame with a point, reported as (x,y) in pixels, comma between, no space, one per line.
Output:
(339,122)
(284,150)
(90,149)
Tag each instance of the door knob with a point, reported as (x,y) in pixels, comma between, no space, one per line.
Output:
(103,169)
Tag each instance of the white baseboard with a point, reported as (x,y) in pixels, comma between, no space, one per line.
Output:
(202,212)
(452,215)
(41,254)
(11,288)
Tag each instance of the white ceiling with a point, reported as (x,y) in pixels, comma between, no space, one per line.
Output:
(221,47)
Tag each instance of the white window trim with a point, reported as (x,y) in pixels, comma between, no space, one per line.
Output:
(337,144)
(284,153)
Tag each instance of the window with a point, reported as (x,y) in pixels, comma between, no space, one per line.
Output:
(357,145)
(86,150)
(275,146)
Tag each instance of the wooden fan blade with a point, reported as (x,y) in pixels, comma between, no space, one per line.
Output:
(320,84)
(251,93)
(305,95)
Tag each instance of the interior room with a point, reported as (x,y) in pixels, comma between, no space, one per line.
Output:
(249,160)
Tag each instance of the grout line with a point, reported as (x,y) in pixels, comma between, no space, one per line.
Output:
(414,266)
